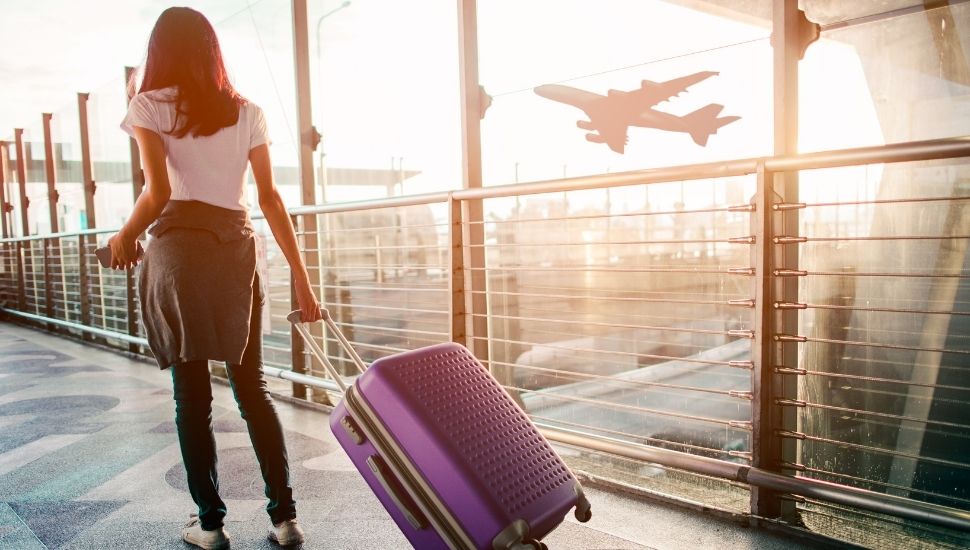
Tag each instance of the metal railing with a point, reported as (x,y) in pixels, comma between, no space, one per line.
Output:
(685,316)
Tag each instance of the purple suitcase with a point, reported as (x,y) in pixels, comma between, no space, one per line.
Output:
(450,455)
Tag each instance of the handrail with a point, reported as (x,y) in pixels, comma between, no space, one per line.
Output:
(897,152)
(75,326)
(803,486)
(59,235)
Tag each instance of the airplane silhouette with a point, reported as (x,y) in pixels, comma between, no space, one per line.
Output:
(611,115)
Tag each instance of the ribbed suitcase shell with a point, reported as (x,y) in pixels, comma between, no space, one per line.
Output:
(480,455)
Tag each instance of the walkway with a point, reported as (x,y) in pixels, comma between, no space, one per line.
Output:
(89,459)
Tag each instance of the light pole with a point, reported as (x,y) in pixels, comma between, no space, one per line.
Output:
(322,167)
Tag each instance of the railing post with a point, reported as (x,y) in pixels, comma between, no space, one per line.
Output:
(5,207)
(773,357)
(21,285)
(309,138)
(83,282)
(132,297)
(22,180)
(764,422)
(48,283)
(473,102)
(458,304)
(791,35)
(87,173)
(297,347)
(52,195)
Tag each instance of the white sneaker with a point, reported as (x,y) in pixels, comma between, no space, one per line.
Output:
(193,533)
(286,533)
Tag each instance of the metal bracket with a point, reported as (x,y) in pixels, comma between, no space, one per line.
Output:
(790,402)
(790,305)
(315,138)
(789,273)
(806,35)
(484,101)
(786,370)
(784,239)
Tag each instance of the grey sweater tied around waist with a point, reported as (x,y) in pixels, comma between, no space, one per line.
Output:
(197,284)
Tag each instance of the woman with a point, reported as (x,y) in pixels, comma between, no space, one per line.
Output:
(200,294)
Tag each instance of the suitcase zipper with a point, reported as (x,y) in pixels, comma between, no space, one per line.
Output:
(426,500)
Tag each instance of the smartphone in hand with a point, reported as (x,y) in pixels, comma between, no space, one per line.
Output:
(104,254)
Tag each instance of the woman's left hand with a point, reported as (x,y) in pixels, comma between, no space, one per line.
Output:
(124,251)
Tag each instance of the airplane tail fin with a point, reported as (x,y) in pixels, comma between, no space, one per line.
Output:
(704,122)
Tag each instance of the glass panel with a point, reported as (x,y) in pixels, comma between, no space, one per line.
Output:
(9,278)
(618,312)
(257,47)
(38,211)
(612,68)
(108,289)
(35,296)
(872,530)
(385,98)
(902,77)
(11,195)
(66,134)
(384,278)
(275,274)
(888,327)
(832,12)
(64,288)
(110,154)
(14,195)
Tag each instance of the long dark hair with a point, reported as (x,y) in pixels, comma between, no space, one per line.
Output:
(183,51)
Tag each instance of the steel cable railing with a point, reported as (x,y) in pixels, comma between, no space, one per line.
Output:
(648,330)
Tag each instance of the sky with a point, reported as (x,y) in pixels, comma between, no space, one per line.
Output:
(52,49)
(385,85)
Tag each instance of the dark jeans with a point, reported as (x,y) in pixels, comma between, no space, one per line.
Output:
(193,418)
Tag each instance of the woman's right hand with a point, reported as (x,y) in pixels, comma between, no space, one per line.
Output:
(309,306)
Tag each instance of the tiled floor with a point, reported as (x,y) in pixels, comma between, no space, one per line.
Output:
(89,459)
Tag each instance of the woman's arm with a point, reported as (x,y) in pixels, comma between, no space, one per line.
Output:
(149,204)
(273,208)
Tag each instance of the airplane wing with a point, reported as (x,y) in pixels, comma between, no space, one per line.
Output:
(570,96)
(652,93)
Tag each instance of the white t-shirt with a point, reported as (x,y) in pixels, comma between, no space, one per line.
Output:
(210,169)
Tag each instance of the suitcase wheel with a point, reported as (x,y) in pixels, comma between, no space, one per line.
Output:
(584,511)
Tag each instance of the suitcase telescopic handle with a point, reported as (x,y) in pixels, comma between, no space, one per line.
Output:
(301,327)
